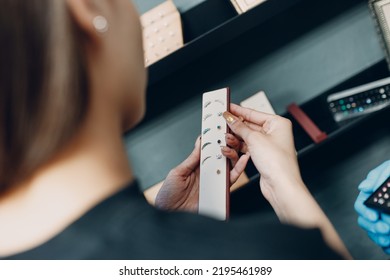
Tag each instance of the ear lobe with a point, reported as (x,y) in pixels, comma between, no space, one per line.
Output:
(83,14)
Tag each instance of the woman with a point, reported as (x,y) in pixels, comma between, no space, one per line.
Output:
(72,80)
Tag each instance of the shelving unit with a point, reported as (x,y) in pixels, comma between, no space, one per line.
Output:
(296,53)
(210,25)
(216,37)
(246,44)
(318,111)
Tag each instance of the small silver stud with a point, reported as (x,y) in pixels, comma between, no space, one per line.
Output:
(100,23)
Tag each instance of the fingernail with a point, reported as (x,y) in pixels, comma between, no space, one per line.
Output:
(225,149)
(229,118)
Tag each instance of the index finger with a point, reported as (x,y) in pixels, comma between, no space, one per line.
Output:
(250,115)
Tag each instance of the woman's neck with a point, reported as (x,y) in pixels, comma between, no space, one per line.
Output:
(93,167)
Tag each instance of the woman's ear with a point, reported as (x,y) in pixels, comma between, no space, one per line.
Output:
(84,14)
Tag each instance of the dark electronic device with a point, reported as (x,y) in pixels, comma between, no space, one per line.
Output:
(380,199)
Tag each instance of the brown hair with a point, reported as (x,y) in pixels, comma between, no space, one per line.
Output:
(43,85)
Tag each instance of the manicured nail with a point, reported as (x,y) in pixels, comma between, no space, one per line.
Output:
(225,149)
(229,118)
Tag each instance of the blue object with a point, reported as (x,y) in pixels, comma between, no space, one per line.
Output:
(375,223)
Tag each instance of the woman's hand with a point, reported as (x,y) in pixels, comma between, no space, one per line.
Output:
(269,140)
(180,190)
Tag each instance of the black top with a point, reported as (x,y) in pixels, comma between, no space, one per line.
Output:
(125,226)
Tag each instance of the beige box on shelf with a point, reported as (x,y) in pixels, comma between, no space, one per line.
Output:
(162,32)
(242,6)
(259,102)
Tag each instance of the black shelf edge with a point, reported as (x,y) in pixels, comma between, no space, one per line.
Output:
(305,146)
(215,37)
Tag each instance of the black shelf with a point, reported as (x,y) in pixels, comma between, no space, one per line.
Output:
(210,25)
(231,46)
(317,110)
(221,43)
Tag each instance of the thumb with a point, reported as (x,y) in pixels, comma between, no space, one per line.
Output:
(191,163)
(237,126)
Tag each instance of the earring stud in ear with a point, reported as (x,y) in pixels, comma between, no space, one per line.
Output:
(100,23)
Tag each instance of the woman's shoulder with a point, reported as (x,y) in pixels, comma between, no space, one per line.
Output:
(125,226)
